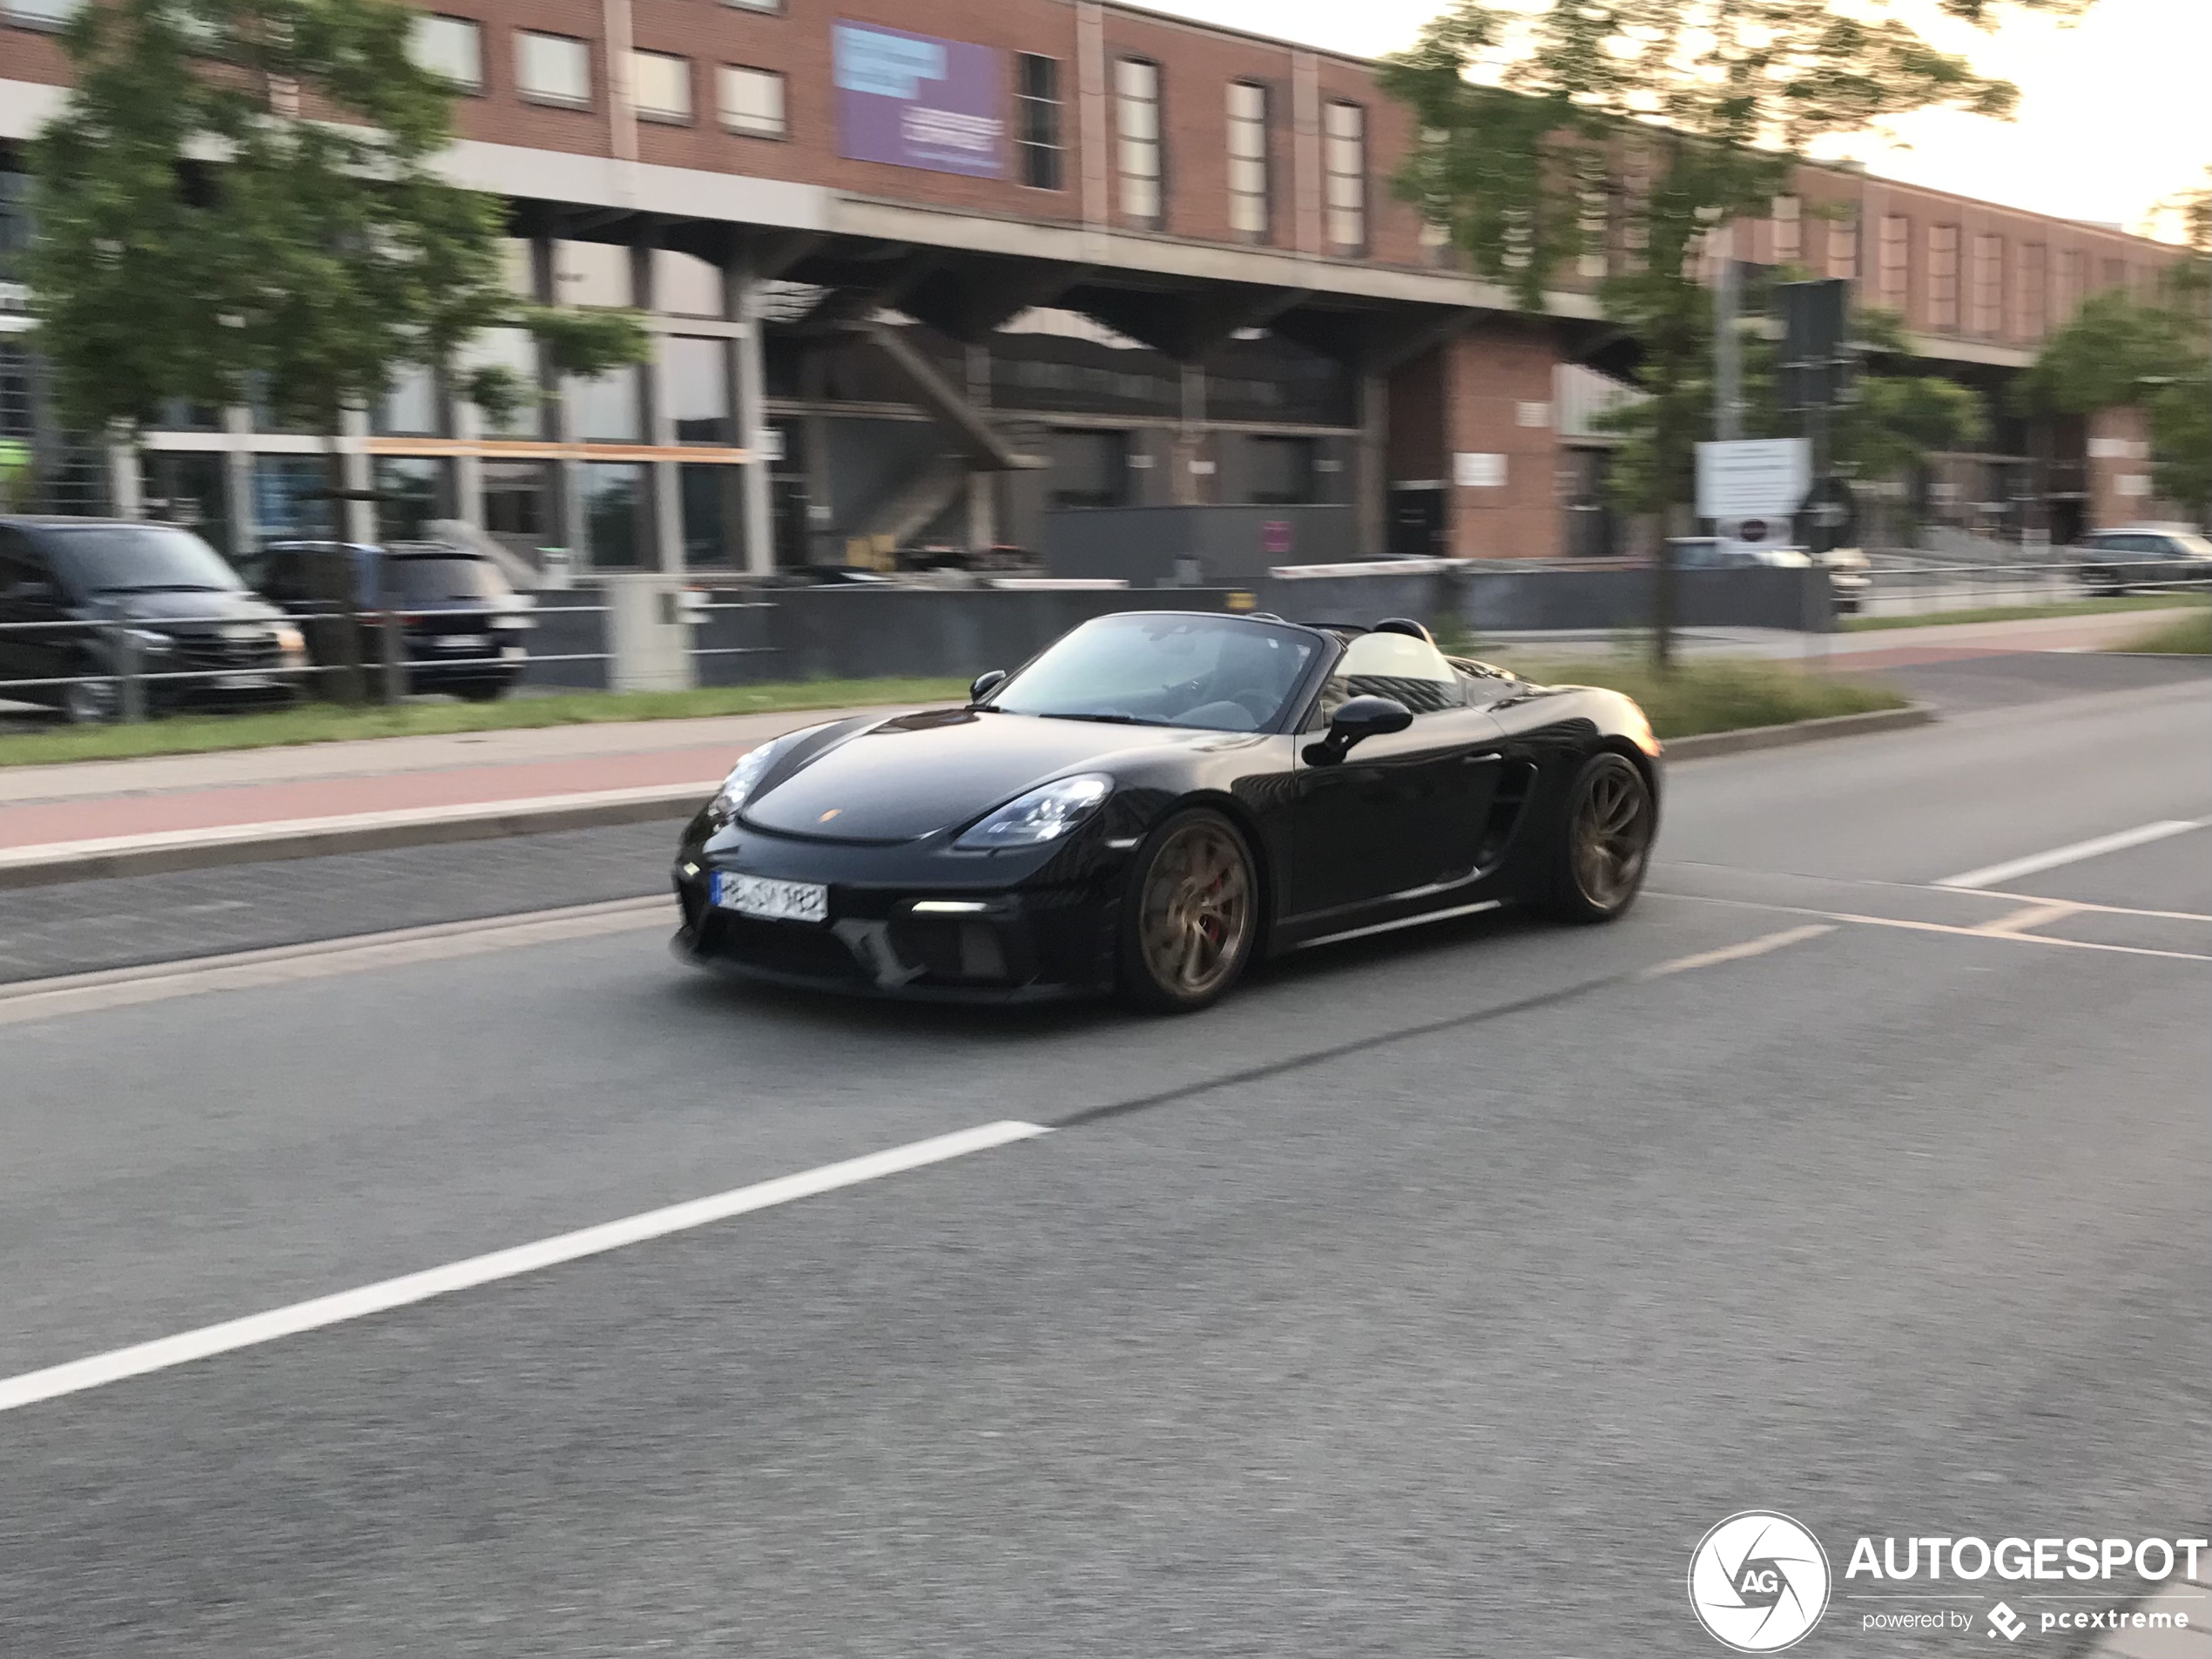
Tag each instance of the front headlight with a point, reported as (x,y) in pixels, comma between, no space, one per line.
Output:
(745,777)
(148,641)
(1041,815)
(291,644)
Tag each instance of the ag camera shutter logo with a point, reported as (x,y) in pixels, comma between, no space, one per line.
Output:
(1759,1583)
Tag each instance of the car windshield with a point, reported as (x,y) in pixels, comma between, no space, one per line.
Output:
(432,578)
(138,558)
(1219,673)
(2196,546)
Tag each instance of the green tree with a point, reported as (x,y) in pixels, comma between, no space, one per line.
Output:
(1638,126)
(240,200)
(2121,351)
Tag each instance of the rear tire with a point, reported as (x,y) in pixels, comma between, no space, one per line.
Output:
(1190,916)
(481,690)
(1604,841)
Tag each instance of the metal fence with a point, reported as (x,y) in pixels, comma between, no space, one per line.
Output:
(122,668)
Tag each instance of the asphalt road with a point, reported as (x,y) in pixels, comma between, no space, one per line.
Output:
(1426,1298)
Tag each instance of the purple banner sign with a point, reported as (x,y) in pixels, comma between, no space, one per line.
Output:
(916,101)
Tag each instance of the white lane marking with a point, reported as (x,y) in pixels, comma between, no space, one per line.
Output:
(243,970)
(1956,932)
(118,1364)
(1737,953)
(2028,916)
(1990,875)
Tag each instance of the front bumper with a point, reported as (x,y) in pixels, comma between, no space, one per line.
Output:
(1043,935)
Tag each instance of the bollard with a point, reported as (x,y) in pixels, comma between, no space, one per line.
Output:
(131,686)
(391,657)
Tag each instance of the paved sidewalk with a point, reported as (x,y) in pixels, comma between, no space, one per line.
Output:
(111,815)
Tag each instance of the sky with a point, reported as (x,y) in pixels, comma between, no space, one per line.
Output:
(2112,117)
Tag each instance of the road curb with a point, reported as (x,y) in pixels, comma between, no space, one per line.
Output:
(1795,731)
(33,867)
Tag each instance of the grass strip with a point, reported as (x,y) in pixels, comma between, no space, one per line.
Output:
(324,723)
(1718,695)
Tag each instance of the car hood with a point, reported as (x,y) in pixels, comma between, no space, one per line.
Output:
(906,777)
(185,613)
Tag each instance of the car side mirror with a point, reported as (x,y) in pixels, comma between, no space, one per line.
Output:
(1357,719)
(985,684)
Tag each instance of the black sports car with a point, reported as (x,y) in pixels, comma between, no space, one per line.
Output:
(1157,799)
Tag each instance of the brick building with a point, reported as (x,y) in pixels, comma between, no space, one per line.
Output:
(941,267)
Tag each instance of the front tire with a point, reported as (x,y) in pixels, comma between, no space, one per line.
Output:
(1604,845)
(1190,915)
(90,698)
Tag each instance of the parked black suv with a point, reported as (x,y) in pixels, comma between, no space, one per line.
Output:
(85,600)
(460,621)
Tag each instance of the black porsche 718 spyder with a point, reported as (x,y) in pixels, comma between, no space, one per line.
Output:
(1157,799)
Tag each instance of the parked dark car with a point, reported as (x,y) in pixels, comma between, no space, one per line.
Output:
(85,601)
(461,622)
(1159,799)
(2158,560)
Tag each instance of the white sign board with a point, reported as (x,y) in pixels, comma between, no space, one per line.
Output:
(1472,470)
(1752,477)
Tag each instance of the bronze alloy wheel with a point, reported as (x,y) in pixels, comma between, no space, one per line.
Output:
(1608,838)
(1195,913)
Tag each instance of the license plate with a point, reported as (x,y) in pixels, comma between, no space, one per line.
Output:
(240,682)
(756,895)
(455,642)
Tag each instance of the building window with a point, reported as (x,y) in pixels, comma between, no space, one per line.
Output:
(2032,289)
(2073,281)
(1943,276)
(515,351)
(553,69)
(1843,248)
(1896,258)
(614,513)
(752,101)
(516,495)
(756,5)
(592,273)
(698,387)
(410,406)
(1089,469)
(603,409)
(1592,222)
(708,497)
(1989,283)
(1036,109)
(686,286)
(660,86)
(452,47)
(1789,228)
(39,14)
(2115,274)
(1136,89)
(1344,143)
(1248,160)
(411,492)
(1283,471)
